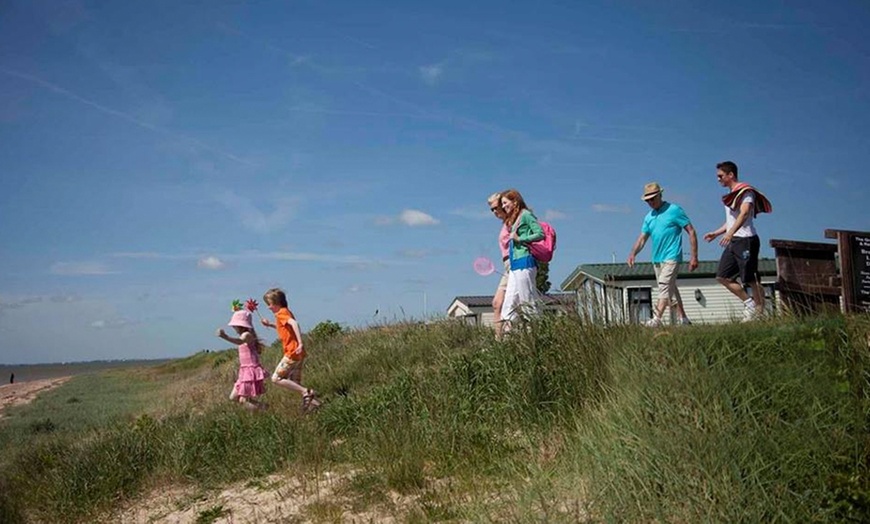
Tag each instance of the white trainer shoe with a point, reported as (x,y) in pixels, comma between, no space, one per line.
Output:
(654,322)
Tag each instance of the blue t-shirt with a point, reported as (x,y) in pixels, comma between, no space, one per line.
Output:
(665,228)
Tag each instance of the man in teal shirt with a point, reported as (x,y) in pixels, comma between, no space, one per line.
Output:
(664,224)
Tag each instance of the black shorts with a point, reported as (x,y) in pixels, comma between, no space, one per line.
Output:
(740,258)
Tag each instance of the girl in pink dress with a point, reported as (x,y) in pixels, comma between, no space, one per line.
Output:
(249,385)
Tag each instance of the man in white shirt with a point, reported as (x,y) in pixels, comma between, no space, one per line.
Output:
(740,240)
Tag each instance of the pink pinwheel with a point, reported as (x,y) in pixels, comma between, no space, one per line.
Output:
(483,266)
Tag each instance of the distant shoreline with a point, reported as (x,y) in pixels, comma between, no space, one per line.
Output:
(31,372)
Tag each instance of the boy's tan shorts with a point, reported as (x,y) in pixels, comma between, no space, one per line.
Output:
(288,369)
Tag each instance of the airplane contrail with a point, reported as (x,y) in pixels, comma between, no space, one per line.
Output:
(120,114)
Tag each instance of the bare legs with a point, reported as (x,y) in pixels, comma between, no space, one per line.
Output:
(497,302)
(754,304)
(247,403)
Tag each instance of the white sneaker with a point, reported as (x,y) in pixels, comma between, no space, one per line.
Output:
(654,322)
(685,322)
(749,314)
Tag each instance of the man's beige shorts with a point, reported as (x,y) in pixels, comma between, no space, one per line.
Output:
(666,276)
(502,284)
(289,369)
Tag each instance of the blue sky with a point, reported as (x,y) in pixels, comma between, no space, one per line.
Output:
(160,159)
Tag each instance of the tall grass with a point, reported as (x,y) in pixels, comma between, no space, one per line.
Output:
(731,425)
(563,421)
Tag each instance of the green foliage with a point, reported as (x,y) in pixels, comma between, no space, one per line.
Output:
(212,514)
(196,362)
(728,425)
(542,279)
(563,419)
(325,330)
(225,445)
(10,504)
(85,403)
(42,426)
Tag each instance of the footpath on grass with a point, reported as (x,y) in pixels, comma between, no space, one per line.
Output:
(22,393)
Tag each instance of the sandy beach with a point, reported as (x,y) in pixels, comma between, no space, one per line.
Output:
(24,392)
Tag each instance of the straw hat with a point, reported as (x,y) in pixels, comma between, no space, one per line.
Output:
(651,190)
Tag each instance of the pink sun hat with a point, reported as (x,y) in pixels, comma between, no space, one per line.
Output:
(241,318)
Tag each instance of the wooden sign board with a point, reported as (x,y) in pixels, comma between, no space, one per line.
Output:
(807,277)
(854,247)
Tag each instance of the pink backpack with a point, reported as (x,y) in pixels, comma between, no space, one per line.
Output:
(543,249)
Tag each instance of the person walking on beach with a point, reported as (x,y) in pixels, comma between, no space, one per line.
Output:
(521,290)
(504,237)
(288,373)
(740,239)
(665,223)
(249,384)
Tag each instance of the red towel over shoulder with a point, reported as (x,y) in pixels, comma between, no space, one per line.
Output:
(762,203)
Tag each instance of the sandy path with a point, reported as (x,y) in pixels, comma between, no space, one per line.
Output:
(24,392)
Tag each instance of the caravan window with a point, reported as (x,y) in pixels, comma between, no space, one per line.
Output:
(639,304)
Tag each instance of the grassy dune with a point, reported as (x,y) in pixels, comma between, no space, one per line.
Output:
(563,422)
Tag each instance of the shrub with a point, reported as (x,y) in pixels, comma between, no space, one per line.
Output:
(325,331)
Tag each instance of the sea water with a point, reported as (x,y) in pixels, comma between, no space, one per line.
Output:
(27,372)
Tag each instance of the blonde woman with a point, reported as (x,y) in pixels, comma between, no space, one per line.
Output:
(504,237)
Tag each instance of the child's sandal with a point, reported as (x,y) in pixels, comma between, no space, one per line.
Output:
(309,401)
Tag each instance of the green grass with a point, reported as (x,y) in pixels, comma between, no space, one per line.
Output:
(210,515)
(85,403)
(563,422)
(728,425)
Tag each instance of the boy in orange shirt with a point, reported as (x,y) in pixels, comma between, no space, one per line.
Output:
(288,374)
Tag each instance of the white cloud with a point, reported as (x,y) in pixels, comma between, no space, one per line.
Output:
(138,254)
(80,268)
(64,299)
(366,265)
(415,218)
(431,73)
(22,302)
(210,263)
(552,214)
(254,219)
(609,208)
(112,323)
(220,260)
(414,253)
